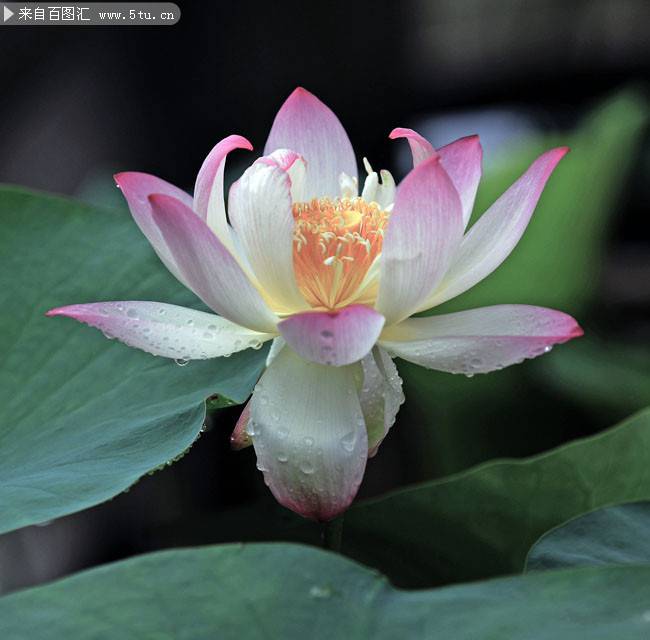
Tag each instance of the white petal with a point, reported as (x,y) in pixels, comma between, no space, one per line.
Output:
(260,212)
(385,194)
(309,435)
(381,396)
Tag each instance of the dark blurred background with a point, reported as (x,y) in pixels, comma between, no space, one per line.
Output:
(80,103)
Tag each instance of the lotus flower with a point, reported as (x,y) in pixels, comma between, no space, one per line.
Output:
(332,278)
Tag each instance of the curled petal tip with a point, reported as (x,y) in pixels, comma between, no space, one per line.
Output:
(576,332)
(68,312)
(239,142)
(240,438)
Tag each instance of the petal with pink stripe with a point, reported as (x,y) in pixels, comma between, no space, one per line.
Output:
(209,268)
(136,188)
(423,234)
(165,329)
(479,340)
(489,242)
(307,126)
(461,159)
(209,201)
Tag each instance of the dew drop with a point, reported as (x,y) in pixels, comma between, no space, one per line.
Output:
(469,375)
(348,441)
(207,335)
(307,467)
(283,457)
(132,313)
(309,442)
(326,334)
(282,434)
(189,323)
(181,362)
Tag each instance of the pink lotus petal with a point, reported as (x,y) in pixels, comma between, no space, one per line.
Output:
(423,234)
(260,213)
(209,201)
(462,161)
(240,438)
(489,242)
(309,435)
(479,340)
(165,330)
(136,188)
(210,269)
(421,149)
(305,125)
(283,158)
(333,338)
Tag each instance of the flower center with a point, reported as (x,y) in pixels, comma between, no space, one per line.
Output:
(336,244)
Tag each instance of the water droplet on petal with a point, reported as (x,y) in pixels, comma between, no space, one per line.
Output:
(132,313)
(307,467)
(181,362)
(348,441)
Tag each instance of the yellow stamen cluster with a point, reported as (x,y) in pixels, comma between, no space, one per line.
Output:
(335,244)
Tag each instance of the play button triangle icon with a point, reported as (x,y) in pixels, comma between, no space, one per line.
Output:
(7,13)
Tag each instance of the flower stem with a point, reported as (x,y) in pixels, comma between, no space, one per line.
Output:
(333,534)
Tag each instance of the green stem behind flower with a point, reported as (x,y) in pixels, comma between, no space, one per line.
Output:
(333,534)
